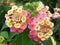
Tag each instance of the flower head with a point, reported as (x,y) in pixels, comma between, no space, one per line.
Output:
(56,13)
(41,28)
(17,19)
(14,7)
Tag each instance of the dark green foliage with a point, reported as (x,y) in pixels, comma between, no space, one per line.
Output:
(58,4)
(3,11)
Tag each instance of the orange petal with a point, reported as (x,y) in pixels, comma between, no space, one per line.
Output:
(23,13)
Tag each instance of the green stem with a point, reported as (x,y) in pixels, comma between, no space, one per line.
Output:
(53,41)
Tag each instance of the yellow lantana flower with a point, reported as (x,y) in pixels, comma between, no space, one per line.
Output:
(42,23)
(49,14)
(48,22)
(46,35)
(9,24)
(8,19)
(46,18)
(23,19)
(50,32)
(37,28)
(43,38)
(10,12)
(40,34)
(19,10)
(17,25)
(51,24)
(14,7)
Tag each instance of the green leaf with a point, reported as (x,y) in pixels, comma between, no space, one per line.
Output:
(23,39)
(57,43)
(12,34)
(4,34)
(57,27)
(47,42)
(11,43)
(4,0)
(31,7)
(58,4)
(12,0)
(0,1)
(3,11)
(4,27)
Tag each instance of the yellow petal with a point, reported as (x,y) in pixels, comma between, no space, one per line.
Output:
(46,18)
(48,22)
(9,24)
(19,10)
(46,35)
(14,7)
(40,34)
(51,24)
(10,12)
(49,14)
(56,13)
(50,32)
(42,23)
(43,38)
(37,28)
(17,25)
(23,19)
(8,19)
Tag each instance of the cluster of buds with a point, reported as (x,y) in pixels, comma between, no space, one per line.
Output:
(41,27)
(17,19)
(56,13)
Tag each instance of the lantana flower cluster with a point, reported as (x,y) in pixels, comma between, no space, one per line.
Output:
(17,19)
(41,27)
(56,13)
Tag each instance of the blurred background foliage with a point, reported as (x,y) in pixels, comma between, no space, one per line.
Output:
(22,38)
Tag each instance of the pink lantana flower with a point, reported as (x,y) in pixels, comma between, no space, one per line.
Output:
(17,19)
(33,35)
(41,28)
(41,15)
